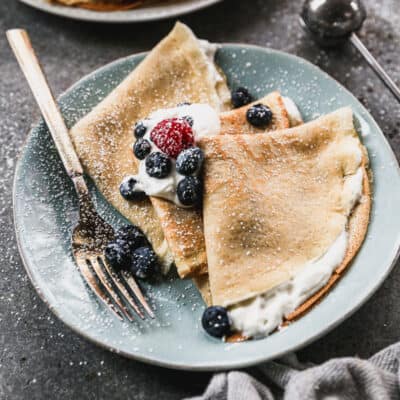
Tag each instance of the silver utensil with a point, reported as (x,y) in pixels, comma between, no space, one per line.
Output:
(332,22)
(91,234)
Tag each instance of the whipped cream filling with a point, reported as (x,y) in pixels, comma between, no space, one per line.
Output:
(209,50)
(264,313)
(294,114)
(206,122)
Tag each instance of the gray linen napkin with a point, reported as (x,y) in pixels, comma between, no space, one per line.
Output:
(377,378)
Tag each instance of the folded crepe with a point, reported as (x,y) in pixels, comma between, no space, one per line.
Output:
(274,202)
(234,122)
(183,228)
(178,69)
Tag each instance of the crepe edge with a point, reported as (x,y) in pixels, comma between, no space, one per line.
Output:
(358,227)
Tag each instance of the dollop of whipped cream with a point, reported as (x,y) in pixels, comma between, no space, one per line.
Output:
(261,315)
(293,111)
(206,122)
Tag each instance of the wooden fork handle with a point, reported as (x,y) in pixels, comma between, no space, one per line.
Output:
(29,63)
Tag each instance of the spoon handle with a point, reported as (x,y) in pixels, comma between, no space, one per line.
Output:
(386,79)
(26,57)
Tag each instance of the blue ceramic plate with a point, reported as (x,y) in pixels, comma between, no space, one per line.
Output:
(45,210)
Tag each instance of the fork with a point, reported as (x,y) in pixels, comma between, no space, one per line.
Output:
(91,234)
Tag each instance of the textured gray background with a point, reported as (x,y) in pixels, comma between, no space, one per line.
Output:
(42,359)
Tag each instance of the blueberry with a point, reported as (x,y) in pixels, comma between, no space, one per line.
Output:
(139,130)
(141,148)
(216,321)
(241,97)
(132,236)
(118,255)
(158,165)
(185,103)
(189,191)
(259,115)
(129,189)
(144,263)
(189,161)
(188,119)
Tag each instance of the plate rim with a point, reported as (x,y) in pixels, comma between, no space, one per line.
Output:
(360,300)
(109,17)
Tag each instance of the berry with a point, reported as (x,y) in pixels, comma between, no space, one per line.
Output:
(141,148)
(129,190)
(241,97)
(216,321)
(189,161)
(188,119)
(172,136)
(185,103)
(132,236)
(259,115)
(139,130)
(118,255)
(144,262)
(158,165)
(189,191)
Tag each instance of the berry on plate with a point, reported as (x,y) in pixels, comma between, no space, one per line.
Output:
(259,115)
(139,130)
(216,321)
(241,97)
(172,136)
(129,190)
(144,263)
(132,236)
(141,148)
(189,161)
(189,191)
(118,255)
(158,165)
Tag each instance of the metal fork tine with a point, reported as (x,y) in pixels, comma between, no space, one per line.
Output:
(91,281)
(110,290)
(121,287)
(130,281)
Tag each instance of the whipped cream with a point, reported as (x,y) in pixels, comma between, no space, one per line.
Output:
(222,95)
(294,114)
(261,315)
(206,122)
(209,50)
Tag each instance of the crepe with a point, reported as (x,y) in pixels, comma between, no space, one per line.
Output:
(183,228)
(176,70)
(234,122)
(275,201)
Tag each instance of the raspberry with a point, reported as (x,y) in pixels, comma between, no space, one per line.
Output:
(172,136)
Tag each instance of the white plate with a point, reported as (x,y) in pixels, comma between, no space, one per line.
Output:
(141,14)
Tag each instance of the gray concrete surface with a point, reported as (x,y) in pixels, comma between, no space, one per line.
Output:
(42,359)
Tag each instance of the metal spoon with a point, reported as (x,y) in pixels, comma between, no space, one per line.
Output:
(331,22)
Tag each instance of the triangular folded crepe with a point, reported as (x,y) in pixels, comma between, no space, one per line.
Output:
(234,122)
(183,228)
(275,201)
(176,70)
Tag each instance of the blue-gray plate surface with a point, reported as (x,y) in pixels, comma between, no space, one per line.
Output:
(45,211)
